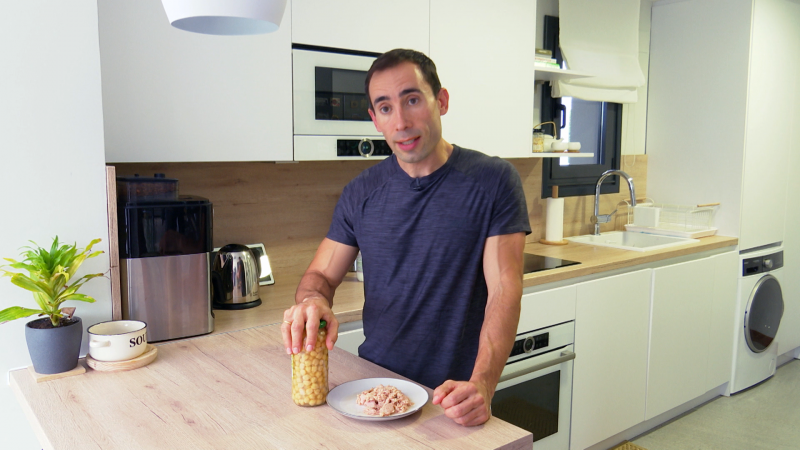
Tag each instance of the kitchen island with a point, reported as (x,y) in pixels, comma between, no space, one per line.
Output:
(229,391)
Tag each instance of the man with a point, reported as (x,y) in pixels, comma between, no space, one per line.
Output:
(441,230)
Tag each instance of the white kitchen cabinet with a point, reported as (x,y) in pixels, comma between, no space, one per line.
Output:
(484,55)
(546,308)
(722,80)
(171,95)
(610,370)
(351,336)
(691,330)
(680,316)
(724,323)
(364,25)
(789,332)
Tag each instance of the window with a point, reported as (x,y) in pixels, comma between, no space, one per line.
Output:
(596,125)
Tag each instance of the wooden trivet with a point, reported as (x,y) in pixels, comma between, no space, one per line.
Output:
(40,377)
(142,360)
(561,242)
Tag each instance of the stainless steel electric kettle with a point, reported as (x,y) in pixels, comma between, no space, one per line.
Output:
(234,277)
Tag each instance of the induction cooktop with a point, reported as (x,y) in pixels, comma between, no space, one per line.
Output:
(536,263)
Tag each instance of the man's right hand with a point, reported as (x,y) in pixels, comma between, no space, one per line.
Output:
(306,315)
(314,297)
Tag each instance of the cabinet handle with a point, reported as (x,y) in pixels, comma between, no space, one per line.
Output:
(566,355)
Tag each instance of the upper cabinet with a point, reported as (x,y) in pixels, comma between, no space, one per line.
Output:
(174,96)
(171,95)
(484,55)
(724,73)
(364,25)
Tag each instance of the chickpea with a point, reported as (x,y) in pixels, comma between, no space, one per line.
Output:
(310,372)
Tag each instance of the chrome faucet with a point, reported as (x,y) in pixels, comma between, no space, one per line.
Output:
(597,219)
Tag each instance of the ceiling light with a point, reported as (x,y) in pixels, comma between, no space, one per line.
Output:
(225,17)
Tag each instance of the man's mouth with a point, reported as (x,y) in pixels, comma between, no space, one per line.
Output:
(407,144)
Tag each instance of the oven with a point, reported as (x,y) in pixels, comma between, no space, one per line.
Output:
(535,389)
(330,108)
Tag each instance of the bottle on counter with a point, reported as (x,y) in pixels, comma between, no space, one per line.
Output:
(310,371)
(538,140)
(359,268)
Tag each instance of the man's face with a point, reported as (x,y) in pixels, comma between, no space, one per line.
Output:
(406,111)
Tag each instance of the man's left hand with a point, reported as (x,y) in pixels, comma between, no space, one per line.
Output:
(466,402)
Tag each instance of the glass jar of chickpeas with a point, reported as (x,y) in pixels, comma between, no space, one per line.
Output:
(310,372)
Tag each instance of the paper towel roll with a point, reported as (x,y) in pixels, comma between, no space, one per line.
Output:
(554,225)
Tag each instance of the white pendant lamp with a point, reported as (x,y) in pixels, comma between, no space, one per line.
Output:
(225,17)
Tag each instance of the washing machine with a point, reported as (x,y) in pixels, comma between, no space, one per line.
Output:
(759,310)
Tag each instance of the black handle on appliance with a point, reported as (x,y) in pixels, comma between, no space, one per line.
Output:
(563,109)
(216,287)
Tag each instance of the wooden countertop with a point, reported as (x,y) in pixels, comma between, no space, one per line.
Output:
(230,389)
(349,299)
(595,259)
(225,391)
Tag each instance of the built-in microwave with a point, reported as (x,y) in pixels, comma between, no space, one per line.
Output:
(331,118)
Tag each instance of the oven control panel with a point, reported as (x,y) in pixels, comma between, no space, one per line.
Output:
(541,341)
(362,147)
(530,343)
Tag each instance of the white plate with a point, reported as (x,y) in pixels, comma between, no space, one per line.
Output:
(342,398)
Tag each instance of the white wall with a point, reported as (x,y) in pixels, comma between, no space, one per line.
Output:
(52,176)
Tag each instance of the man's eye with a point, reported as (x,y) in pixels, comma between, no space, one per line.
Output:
(384,109)
(413,101)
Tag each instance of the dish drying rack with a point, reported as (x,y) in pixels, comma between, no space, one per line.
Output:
(672,220)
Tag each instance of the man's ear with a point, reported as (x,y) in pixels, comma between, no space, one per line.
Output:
(374,122)
(443,100)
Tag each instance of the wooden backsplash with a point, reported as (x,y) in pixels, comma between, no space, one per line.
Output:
(288,207)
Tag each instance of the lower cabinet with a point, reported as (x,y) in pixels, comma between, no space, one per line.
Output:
(610,370)
(691,330)
(679,334)
(351,336)
(546,308)
(649,341)
(724,323)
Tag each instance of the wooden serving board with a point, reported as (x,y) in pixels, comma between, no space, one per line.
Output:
(142,360)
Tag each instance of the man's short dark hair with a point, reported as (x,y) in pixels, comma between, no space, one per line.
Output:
(394,58)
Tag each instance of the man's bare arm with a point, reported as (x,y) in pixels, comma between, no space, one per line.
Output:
(314,296)
(504,279)
(468,403)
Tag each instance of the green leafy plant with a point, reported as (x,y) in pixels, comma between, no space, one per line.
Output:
(51,278)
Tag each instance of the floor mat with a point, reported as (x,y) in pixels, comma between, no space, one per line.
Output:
(628,446)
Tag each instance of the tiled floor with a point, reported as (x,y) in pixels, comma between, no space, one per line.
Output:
(766,416)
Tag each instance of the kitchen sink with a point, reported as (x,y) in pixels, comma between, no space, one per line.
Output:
(628,240)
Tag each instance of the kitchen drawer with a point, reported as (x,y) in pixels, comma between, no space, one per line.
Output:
(351,336)
(546,308)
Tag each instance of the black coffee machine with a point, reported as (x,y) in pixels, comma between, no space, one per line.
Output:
(165,240)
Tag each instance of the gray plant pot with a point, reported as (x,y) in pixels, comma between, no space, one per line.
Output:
(54,350)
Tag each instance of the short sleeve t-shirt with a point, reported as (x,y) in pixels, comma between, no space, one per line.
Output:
(421,243)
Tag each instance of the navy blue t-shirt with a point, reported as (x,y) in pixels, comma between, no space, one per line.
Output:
(421,242)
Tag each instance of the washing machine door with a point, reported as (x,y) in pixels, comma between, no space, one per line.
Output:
(763,314)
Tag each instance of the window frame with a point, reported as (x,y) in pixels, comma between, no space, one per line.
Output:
(581,179)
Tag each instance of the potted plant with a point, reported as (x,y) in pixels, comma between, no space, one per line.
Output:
(54,342)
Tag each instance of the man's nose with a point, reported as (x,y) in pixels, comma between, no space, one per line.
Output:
(402,120)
